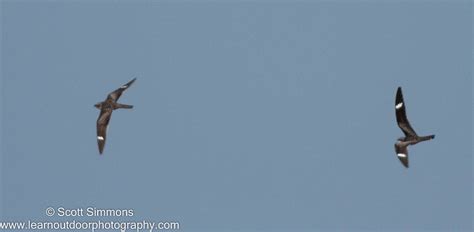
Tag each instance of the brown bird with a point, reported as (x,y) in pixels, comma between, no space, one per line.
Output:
(106,107)
(411,138)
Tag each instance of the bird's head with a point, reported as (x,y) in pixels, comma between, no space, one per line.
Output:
(98,105)
(401,139)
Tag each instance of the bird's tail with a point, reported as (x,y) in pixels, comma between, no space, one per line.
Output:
(428,137)
(123,106)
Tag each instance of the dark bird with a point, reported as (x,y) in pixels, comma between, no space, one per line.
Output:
(106,107)
(411,138)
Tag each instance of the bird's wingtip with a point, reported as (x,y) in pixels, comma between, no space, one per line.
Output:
(405,165)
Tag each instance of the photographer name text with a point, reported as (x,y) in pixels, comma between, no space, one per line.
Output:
(90,212)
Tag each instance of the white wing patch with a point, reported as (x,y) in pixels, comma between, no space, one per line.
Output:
(100,138)
(401,155)
(399,105)
(123,87)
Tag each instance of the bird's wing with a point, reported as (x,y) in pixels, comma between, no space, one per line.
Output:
(401,114)
(115,95)
(102,124)
(401,148)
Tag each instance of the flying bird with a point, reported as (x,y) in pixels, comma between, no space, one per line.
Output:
(106,107)
(411,138)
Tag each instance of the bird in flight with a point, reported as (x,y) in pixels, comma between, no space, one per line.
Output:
(106,107)
(411,138)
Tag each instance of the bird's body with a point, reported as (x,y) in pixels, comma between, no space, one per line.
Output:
(106,108)
(411,138)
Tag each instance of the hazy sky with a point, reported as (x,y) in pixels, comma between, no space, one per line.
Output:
(248,115)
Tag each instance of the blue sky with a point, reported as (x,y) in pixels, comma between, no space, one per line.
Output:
(248,115)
